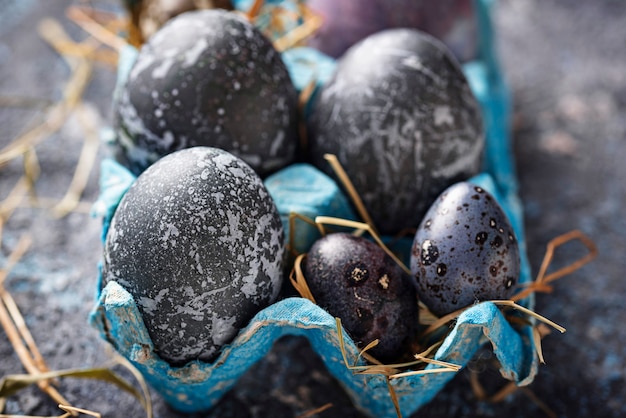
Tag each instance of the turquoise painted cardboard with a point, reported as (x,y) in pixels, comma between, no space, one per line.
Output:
(198,386)
(304,190)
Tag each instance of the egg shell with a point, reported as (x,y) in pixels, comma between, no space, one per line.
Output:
(198,242)
(355,280)
(208,78)
(345,22)
(400,117)
(464,251)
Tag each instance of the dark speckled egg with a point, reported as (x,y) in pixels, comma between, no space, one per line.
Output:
(355,280)
(399,115)
(208,78)
(464,251)
(198,243)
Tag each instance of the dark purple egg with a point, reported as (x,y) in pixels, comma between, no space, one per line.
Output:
(208,78)
(348,21)
(399,115)
(355,280)
(464,251)
(198,242)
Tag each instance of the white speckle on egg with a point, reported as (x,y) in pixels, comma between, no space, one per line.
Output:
(162,70)
(224,329)
(168,236)
(193,54)
(277,143)
(443,116)
(150,305)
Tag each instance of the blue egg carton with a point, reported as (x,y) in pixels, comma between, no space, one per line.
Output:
(199,386)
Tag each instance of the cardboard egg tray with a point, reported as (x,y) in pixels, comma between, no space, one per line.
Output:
(199,386)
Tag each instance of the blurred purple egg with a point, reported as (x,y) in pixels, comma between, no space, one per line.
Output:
(348,21)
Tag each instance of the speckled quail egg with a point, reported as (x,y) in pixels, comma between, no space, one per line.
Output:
(198,243)
(464,251)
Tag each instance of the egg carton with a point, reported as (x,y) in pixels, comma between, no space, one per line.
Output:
(199,386)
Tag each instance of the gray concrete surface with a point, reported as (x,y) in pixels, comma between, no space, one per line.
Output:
(566,64)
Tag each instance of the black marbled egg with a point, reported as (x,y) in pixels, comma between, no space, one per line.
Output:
(464,251)
(198,243)
(209,78)
(403,122)
(355,280)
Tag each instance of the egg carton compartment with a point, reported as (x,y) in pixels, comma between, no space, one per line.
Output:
(198,385)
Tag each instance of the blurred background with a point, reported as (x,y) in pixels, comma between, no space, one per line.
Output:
(565,62)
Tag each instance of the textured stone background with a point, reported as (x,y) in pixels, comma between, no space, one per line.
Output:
(566,64)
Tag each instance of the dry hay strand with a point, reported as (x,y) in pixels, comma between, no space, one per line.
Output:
(293,217)
(444,320)
(391,371)
(254,10)
(52,32)
(541,283)
(134,35)
(309,22)
(13,200)
(11,311)
(349,186)
(303,98)
(86,161)
(12,384)
(71,409)
(138,31)
(55,35)
(394,398)
(28,353)
(22,188)
(85,19)
(315,411)
(505,391)
(33,362)
(78,56)
(25,102)
(540,331)
(298,281)
(53,121)
(16,330)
